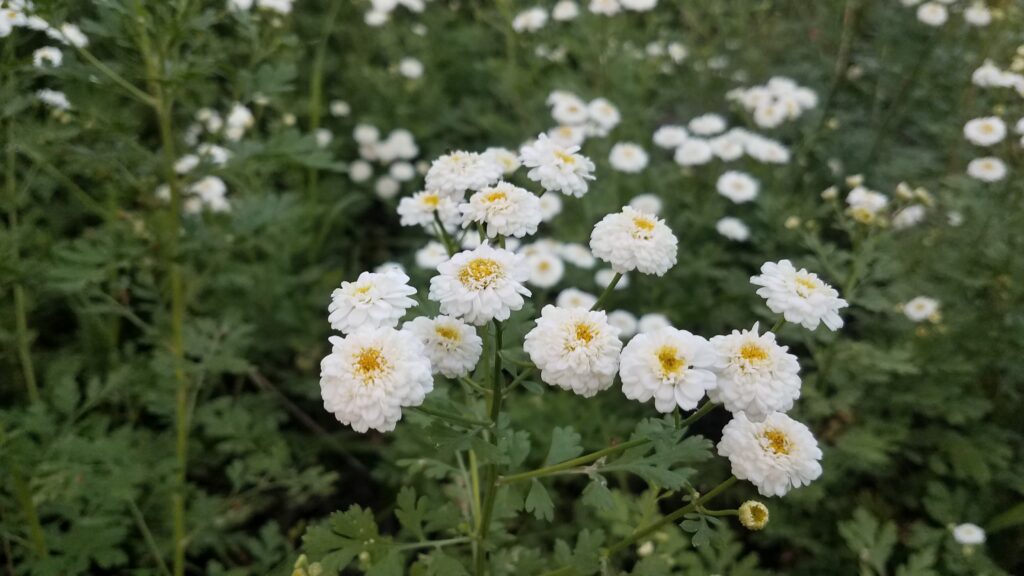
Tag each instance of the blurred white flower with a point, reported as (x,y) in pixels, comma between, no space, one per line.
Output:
(738,186)
(546,269)
(733,229)
(360,171)
(575,298)
(693,152)
(47,56)
(707,125)
(985,131)
(987,169)
(932,13)
(605,7)
(432,255)
(968,534)
(922,308)
(977,14)
(550,206)
(410,68)
(670,136)
(628,157)
(387,187)
(625,321)
(565,10)
(649,203)
(530,20)
(652,321)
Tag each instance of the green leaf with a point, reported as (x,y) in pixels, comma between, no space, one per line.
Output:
(597,495)
(539,502)
(869,539)
(565,445)
(410,511)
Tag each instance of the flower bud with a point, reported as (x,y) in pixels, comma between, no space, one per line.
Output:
(753,515)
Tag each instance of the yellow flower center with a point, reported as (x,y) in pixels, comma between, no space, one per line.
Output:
(805,285)
(495,195)
(643,227)
(753,353)
(670,360)
(480,273)
(581,335)
(778,443)
(370,362)
(565,158)
(447,332)
(759,514)
(432,199)
(987,128)
(544,266)
(364,289)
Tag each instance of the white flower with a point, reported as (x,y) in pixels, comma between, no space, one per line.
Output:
(639,5)
(766,150)
(628,157)
(756,375)
(530,20)
(279,6)
(557,168)
(504,209)
(387,187)
(360,171)
(969,534)
(987,169)
(672,366)
(453,174)
(649,203)
(606,7)
(402,171)
(574,298)
(728,146)
(432,255)
(217,155)
(373,300)
(399,145)
(371,375)
(677,52)
(985,131)
(604,114)
(452,345)
(652,322)
(69,34)
(389,267)
(738,186)
(410,67)
(211,192)
(576,349)
(577,255)
(909,216)
(932,13)
(323,137)
(546,269)
(53,98)
(239,120)
(864,204)
(340,108)
(670,136)
(507,159)
(977,14)
(625,321)
(800,296)
(707,125)
(921,308)
(365,134)
(186,163)
(550,206)
(694,152)
(47,56)
(733,229)
(632,240)
(419,209)
(480,285)
(239,5)
(565,10)
(776,455)
(568,135)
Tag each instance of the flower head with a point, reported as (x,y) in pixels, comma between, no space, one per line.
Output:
(672,366)
(481,285)
(576,349)
(756,376)
(628,157)
(753,515)
(775,455)
(453,174)
(557,167)
(738,186)
(419,209)
(987,169)
(800,296)
(373,300)
(504,209)
(633,240)
(985,131)
(452,345)
(969,534)
(371,374)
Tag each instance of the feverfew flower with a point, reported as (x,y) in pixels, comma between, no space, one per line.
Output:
(969,534)
(373,300)
(452,346)
(481,285)
(707,125)
(47,56)
(432,255)
(672,366)
(652,322)
(987,169)
(753,515)
(575,349)
(670,136)
(800,296)
(507,159)
(694,152)
(775,455)
(410,67)
(565,10)
(550,206)
(546,269)
(628,157)
(649,203)
(209,192)
(530,20)
(977,14)
(604,115)
(733,229)
(922,308)
(738,186)
(577,255)
(864,205)
(370,375)
(556,167)
(632,240)
(575,298)
(605,7)
(985,131)
(504,209)
(625,321)
(453,174)
(756,376)
(932,13)
(639,5)
(419,209)
(53,98)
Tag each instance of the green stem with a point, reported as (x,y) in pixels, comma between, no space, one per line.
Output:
(491,474)
(446,239)
(778,325)
(23,494)
(20,306)
(434,543)
(519,379)
(448,416)
(147,99)
(140,521)
(316,88)
(607,291)
(706,407)
(575,462)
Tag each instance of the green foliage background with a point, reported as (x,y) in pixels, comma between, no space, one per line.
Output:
(920,424)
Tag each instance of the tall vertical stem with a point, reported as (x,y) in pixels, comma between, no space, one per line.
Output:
(491,474)
(20,306)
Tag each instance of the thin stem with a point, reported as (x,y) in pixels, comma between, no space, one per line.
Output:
(519,379)
(434,543)
(446,239)
(492,472)
(569,464)
(706,407)
(720,513)
(20,306)
(469,382)
(146,99)
(450,417)
(607,291)
(140,521)
(23,494)
(316,88)
(778,325)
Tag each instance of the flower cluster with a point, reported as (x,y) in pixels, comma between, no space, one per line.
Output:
(776,101)
(394,152)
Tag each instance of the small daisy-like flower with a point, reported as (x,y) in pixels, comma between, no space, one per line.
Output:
(575,349)
(507,159)
(211,193)
(370,375)
(756,376)
(419,209)
(987,169)
(800,296)
(504,209)
(753,515)
(550,206)
(575,298)
(775,455)
(530,20)
(411,68)
(605,7)
(625,321)
(909,217)
(639,5)
(922,308)
(632,240)
(969,534)
(985,131)
(360,171)
(728,146)
(707,125)
(569,109)
(649,203)
(628,157)
(670,136)
(694,152)
(546,269)
(371,301)
(565,10)
(453,174)
(47,56)
(865,205)
(452,345)
(53,98)
(738,186)
(432,255)
(481,285)
(672,366)
(733,229)
(653,322)
(932,13)
(977,14)
(603,114)
(578,255)
(557,168)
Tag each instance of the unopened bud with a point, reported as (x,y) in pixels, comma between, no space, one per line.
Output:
(753,515)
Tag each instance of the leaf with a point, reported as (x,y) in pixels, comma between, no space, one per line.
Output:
(586,558)
(597,495)
(869,539)
(565,445)
(539,502)
(410,512)
(343,537)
